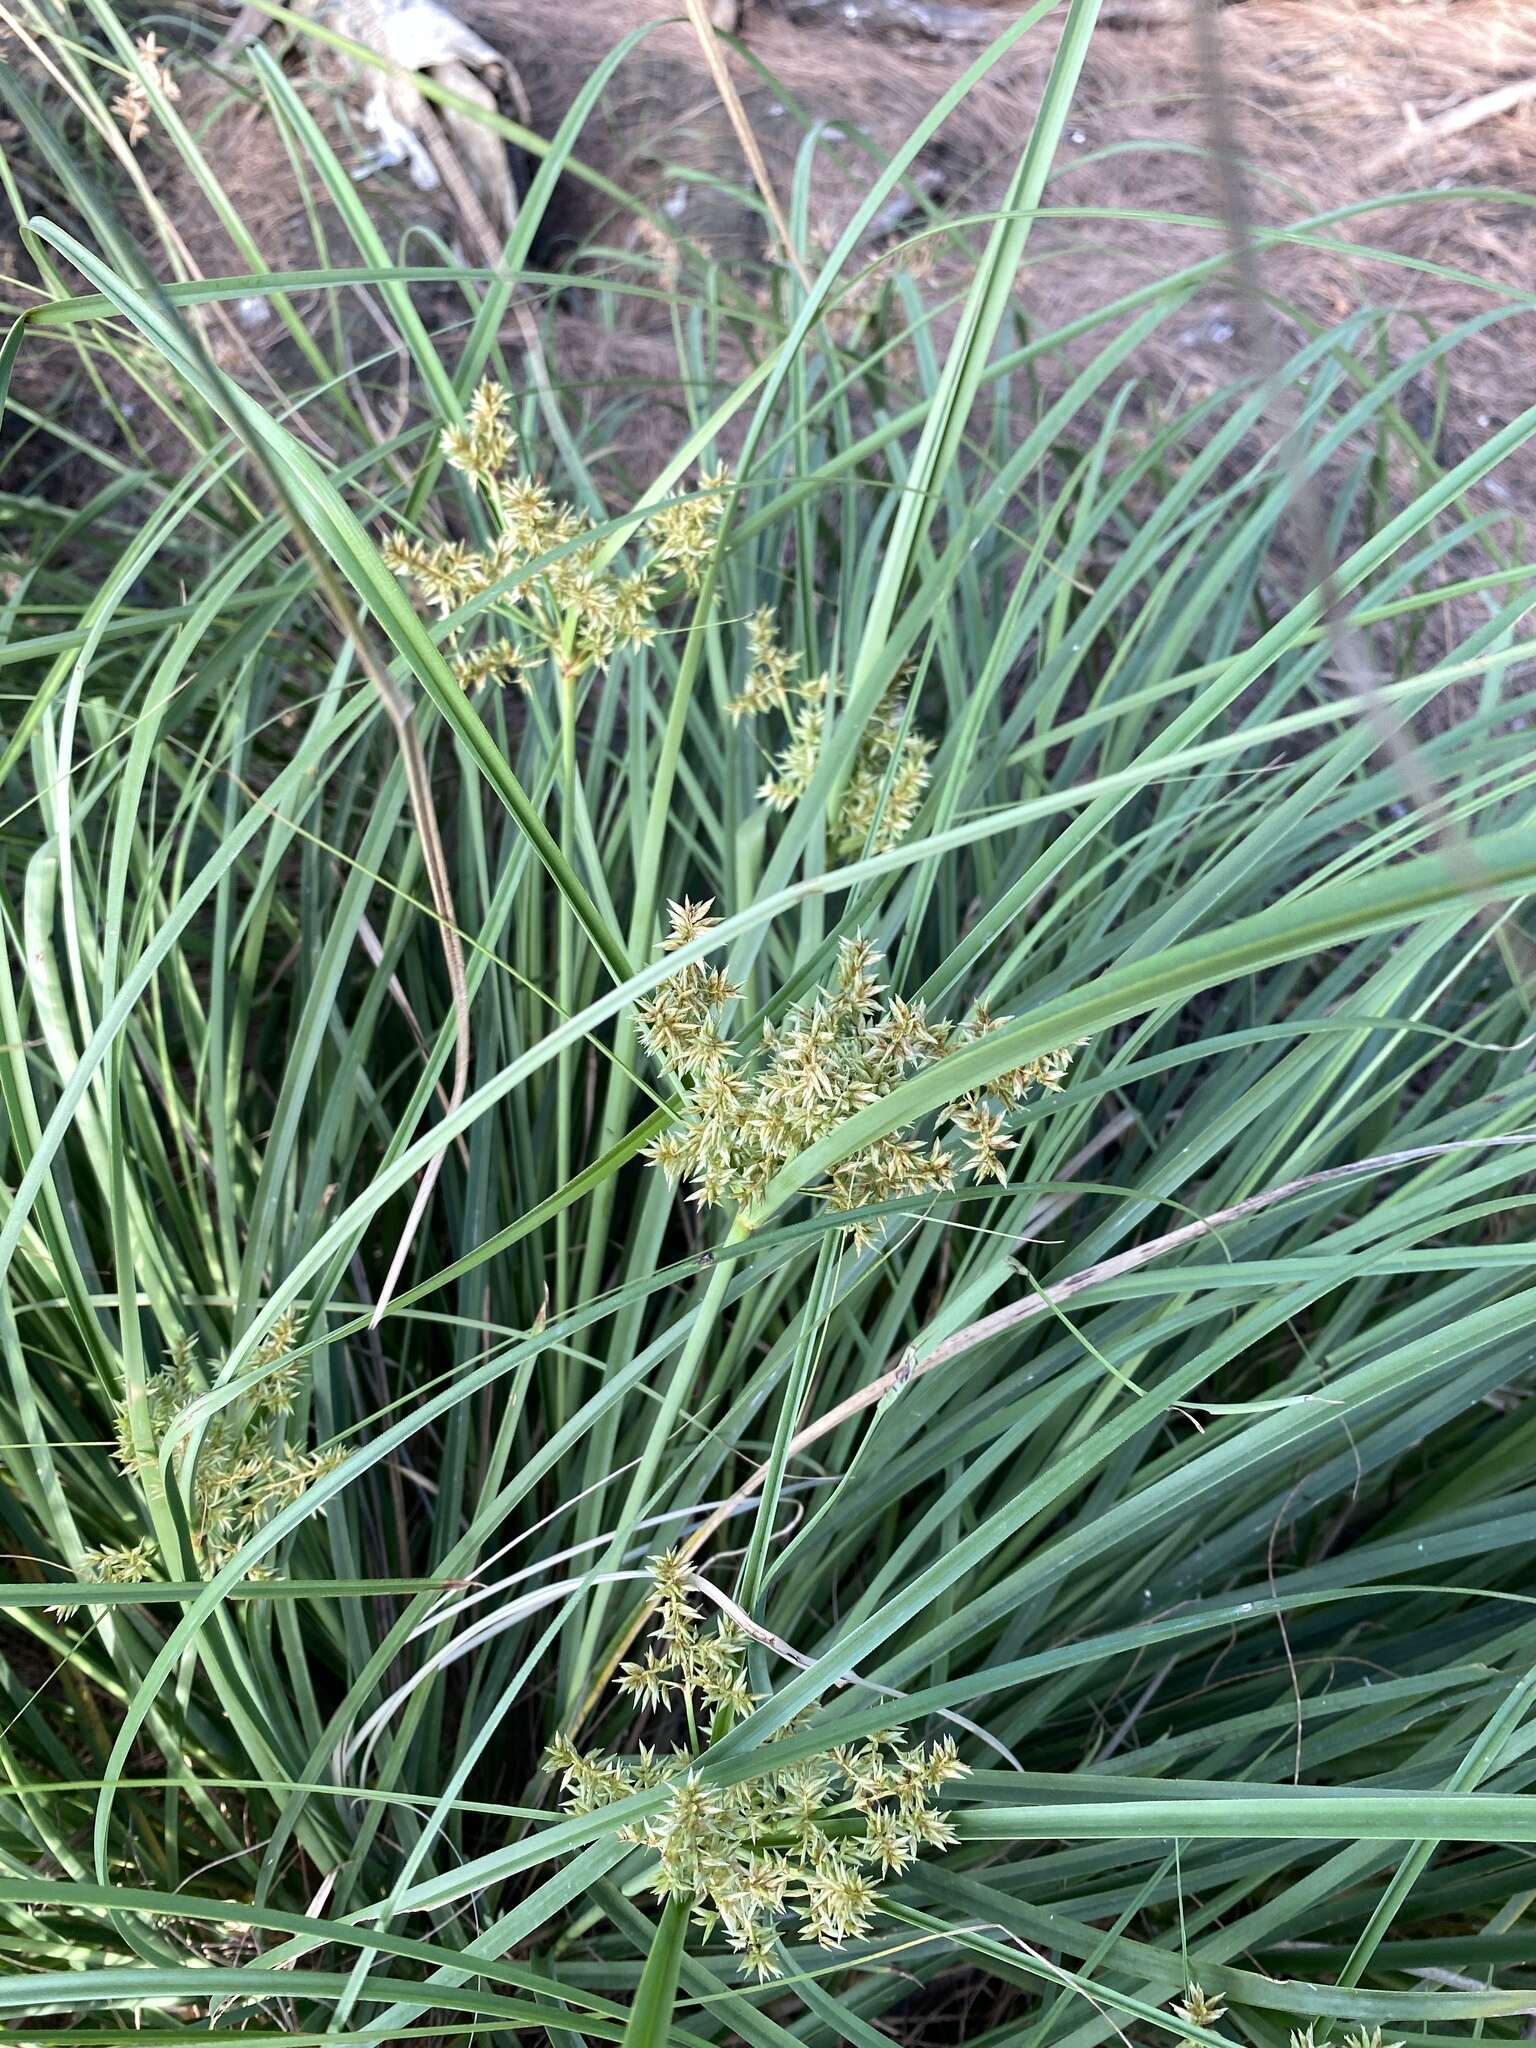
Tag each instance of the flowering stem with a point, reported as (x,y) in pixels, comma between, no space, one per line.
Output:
(567,998)
(673,1400)
(650,2017)
(817,1301)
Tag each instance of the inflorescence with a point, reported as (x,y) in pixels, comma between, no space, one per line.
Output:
(890,765)
(132,105)
(807,1841)
(557,596)
(747,1112)
(1200,2008)
(244,1472)
(571,607)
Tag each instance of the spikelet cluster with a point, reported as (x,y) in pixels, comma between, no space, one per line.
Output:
(245,1472)
(1359,2037)
(747,1111)
(807,1841)
(865,318)
(1200,2008)
(682,532)
(132,105)
(572,607)
(112,1564)
(890,766)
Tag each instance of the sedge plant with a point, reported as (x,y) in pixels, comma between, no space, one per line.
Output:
(953,1423)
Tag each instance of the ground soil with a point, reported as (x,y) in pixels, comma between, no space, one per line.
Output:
(1332,103)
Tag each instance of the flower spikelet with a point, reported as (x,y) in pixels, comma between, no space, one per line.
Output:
(683,532)
(1199,2007)
(245,1469)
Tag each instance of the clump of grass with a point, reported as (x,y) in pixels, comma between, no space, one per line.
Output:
(1147,1436)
